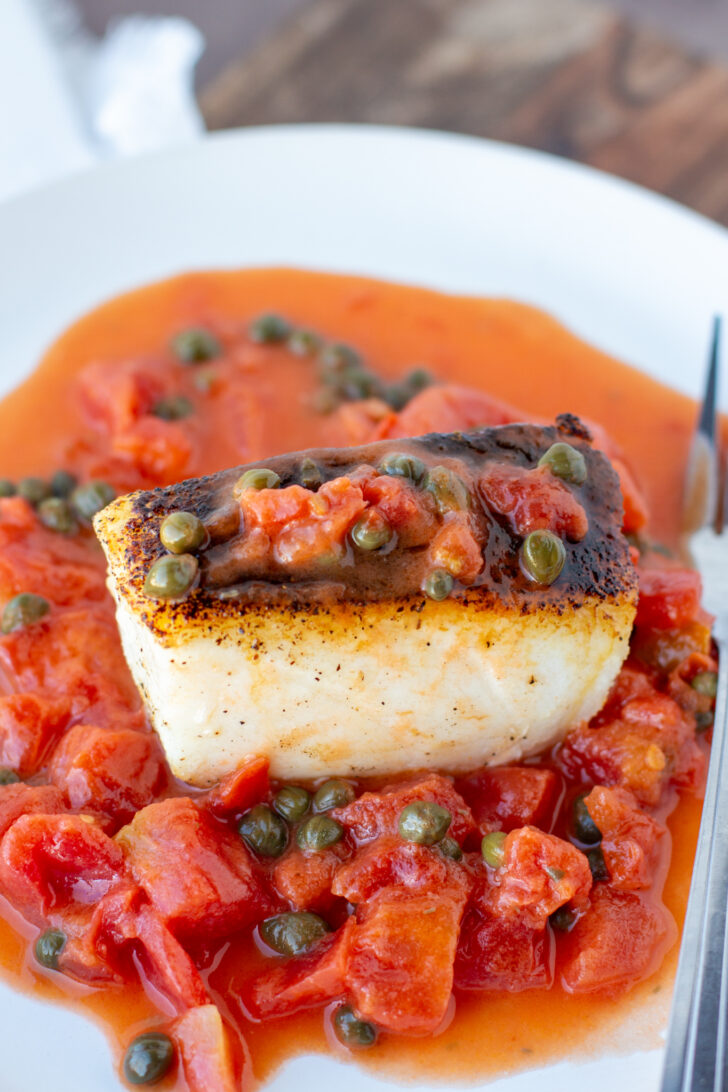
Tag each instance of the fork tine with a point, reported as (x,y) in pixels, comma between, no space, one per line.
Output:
(701,499)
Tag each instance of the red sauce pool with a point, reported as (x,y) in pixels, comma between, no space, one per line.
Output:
(509,350)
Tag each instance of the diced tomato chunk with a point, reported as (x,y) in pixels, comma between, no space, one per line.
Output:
(409,510)
(376,813)
(533,500)
(399,971)
(50,861)
(199,877)
(448,408)
(635,514)
(19,799)
(389,861)
(621,939)
(204,1045)
(166,963)
(669,597)
(456,548)
(158,450)
(112,772)
(498,954)
(242,788)
(118,393)
(28,726)
(630,838)
(305,879)
(539,874)
(301,983)
(506,797)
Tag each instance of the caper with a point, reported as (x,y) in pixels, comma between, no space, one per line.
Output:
(357,383)
(332,794)
(339,358)
(182,532)
(292,802)
(264,831)
(704,721)
(34,490)
(319,832)
(7,488)
(303,342)
(562,919)
(448,490)
(543,556)
(399,465)
(438,584)
(371,532)
(269,329)
(173,407)
(23,610)
(706,683)
(195,346)
(48,947)
(397,395)
(309,474)
(257,478)
(565,462)
(294,932)
(148,1057)
(56,514)
(424,822)
(583,826)
(87,500)
(351,1031)
(597,864)
(449,848)
(8,777)
(63,484)
(418,379)
(171,577)
(493,848)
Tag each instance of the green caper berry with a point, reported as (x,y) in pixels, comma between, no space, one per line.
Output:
(351,1031)
(294,932)
(424,822)
(182,532)
(449,848)
(448,490)
(565,462)
(23,610)
(87,500)
(418,379)
(292,802)
(399,465)
(706,683)
(493,848)
(309,474)
(338,358)
(543,556)
(56,514)
(597,864)
(148,1057)
(7,488)
(269,329)
(8,777)
(438,584)
(397,396)
(704,721)
(171,577)
(174,407)
(63,484)
(583,826)
(319,832)
(48,947)
(369,534)
(257,478)
(264,831)
(358,383)
(195,346)
(562,919)
(333,794)
(34,490)
(303,342)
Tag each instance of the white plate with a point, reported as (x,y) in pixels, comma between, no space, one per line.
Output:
(629,271)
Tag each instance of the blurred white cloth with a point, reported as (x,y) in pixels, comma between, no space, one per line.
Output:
(67,99)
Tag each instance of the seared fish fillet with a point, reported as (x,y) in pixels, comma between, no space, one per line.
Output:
(361,673)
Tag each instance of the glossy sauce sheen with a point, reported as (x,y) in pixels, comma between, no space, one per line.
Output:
(508,350)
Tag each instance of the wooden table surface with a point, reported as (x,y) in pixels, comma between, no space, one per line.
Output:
(566,76)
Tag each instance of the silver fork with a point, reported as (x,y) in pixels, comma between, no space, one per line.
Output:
(696,1057)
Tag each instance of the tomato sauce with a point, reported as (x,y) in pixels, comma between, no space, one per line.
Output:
(80,411)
